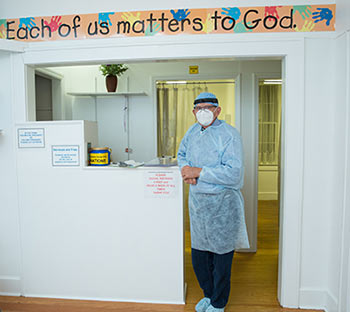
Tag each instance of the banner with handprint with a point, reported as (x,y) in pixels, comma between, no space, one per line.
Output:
(229,20)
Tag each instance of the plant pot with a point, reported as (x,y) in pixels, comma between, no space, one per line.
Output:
(111,83)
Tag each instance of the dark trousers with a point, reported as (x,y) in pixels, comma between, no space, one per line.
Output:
(213,273)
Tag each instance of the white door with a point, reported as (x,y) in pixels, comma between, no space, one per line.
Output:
(248,127)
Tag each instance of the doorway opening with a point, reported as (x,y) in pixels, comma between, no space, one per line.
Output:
(74,106)
(46,95)
(258,268)
(43,98)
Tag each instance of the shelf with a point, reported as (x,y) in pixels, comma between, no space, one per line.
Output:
(92,94)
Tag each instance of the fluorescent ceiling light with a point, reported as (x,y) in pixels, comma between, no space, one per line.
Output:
(272,81)
(172,82)
(175,82)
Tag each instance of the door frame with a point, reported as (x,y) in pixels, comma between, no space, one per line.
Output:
(256,134)
(290,49)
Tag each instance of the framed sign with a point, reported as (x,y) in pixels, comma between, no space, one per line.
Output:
(65,155)
(31,138)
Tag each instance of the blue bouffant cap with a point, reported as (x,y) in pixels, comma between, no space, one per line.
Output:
(206,97)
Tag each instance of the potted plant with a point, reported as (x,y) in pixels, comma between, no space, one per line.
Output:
(112,71)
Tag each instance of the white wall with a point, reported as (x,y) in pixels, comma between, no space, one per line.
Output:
(343,14)
(9,221)
(339,214)
(268,183)
(317,170)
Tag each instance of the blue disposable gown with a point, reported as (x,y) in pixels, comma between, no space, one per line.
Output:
(216,204)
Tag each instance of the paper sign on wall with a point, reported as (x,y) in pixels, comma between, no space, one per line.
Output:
(65,155)
(193,70)
(222,20)
(31,138)
(160,184)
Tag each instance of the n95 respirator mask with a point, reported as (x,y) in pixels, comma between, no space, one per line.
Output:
(205,117)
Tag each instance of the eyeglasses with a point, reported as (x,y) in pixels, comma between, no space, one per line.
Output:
(204,107)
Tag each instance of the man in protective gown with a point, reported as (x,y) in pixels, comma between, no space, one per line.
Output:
(210,157)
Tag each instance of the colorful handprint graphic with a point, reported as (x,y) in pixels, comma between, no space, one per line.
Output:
(262,19)
(272,11)
(130,17)
(180,15)
(154,31)
(240,28)
(54,23)
(308,26)
(304,10)
(105,18)
(208,26)
(323,14)
(27,22)
(235,13)
(3,31)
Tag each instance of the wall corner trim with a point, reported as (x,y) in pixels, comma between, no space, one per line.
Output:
(10,286)
(331,303)
(315,298)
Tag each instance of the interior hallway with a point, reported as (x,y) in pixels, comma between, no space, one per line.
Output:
(254,275)
(254,281)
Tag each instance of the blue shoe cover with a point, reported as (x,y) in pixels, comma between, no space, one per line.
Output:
(212,309)
(202,305)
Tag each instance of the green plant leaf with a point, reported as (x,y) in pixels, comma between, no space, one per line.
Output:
(113,69)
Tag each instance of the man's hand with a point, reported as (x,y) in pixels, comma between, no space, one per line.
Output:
(191,181)
(188,172)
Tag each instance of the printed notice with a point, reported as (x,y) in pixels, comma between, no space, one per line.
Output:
(65,155)
(161,184)
(31,138)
